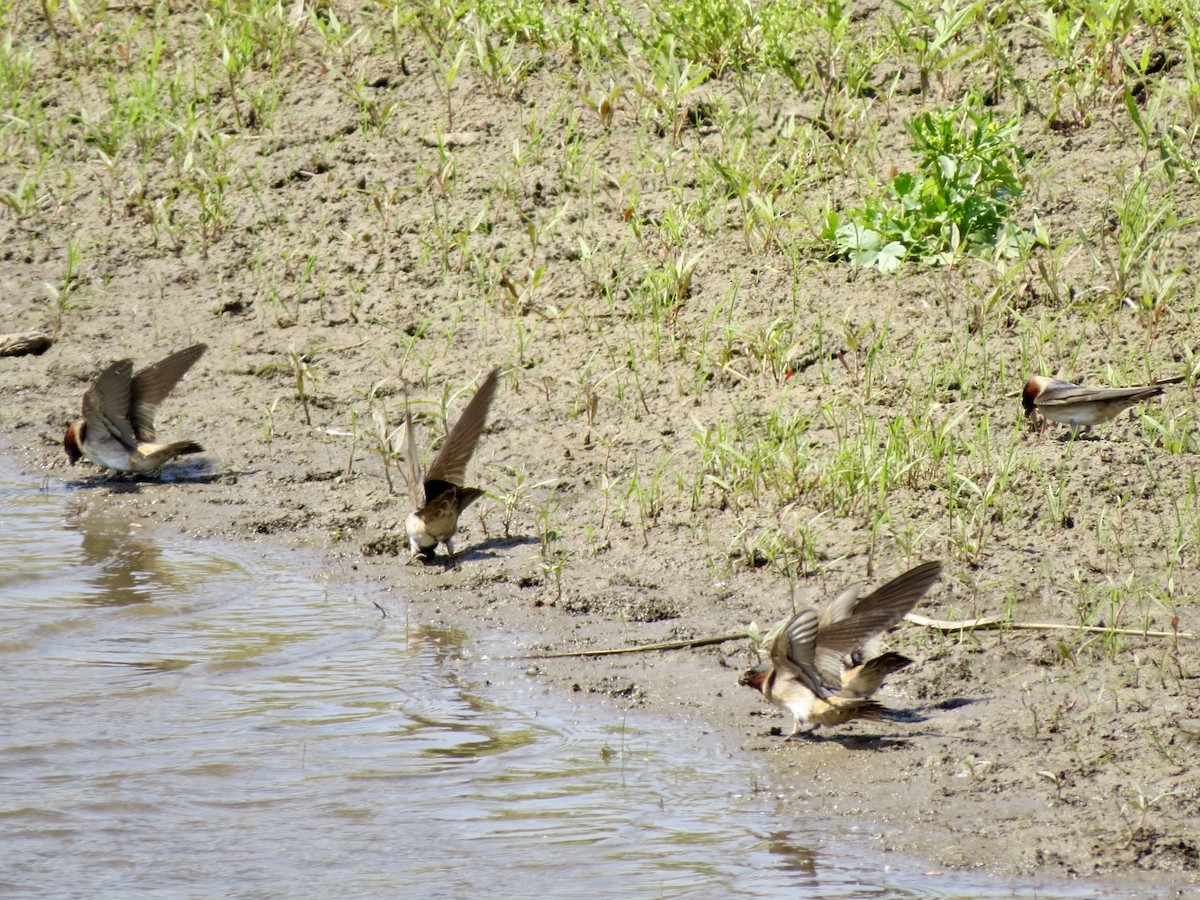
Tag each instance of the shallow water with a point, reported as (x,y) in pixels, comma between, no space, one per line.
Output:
(184,718)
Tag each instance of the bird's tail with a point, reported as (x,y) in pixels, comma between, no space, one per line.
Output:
(467,496)
(865,680)
(875,711)
(164,453)
(846,709)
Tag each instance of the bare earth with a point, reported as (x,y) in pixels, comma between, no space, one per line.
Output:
(1039,752)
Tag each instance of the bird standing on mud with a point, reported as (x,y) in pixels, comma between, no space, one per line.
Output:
(439,495)
(807,673)
(117,426)
(1082,407)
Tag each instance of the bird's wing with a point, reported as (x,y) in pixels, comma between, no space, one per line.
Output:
(1064,394)
(412,471)
(841,606)
(871,615)
(106,403)
(900,594)
(450,465)
(792,651)
(152,385)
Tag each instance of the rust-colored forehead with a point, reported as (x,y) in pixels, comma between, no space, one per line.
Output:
(71,441)
(1033,387)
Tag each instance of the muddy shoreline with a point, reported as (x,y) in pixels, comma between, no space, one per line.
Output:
(953,788)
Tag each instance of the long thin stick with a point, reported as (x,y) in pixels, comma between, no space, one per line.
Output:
(984,622)
(996,622)
(641,648)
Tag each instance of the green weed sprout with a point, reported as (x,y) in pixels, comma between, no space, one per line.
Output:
(956,204)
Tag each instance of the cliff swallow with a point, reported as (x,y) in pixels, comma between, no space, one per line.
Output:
(117,426)
(1082,407)
(806,673)
(791,680)
(439,495)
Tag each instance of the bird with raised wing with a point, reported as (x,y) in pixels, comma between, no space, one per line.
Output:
(808,674)
(440,495)
(117,429)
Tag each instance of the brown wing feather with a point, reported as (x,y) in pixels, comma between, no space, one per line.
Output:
(467,496)
(106,403)
(841,606)
(1066,394)
(842,710)
(872,615)
(792,651)
(153,384)
(901,594)
(828,660)
(451,462)
(416,488)
(793,645)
